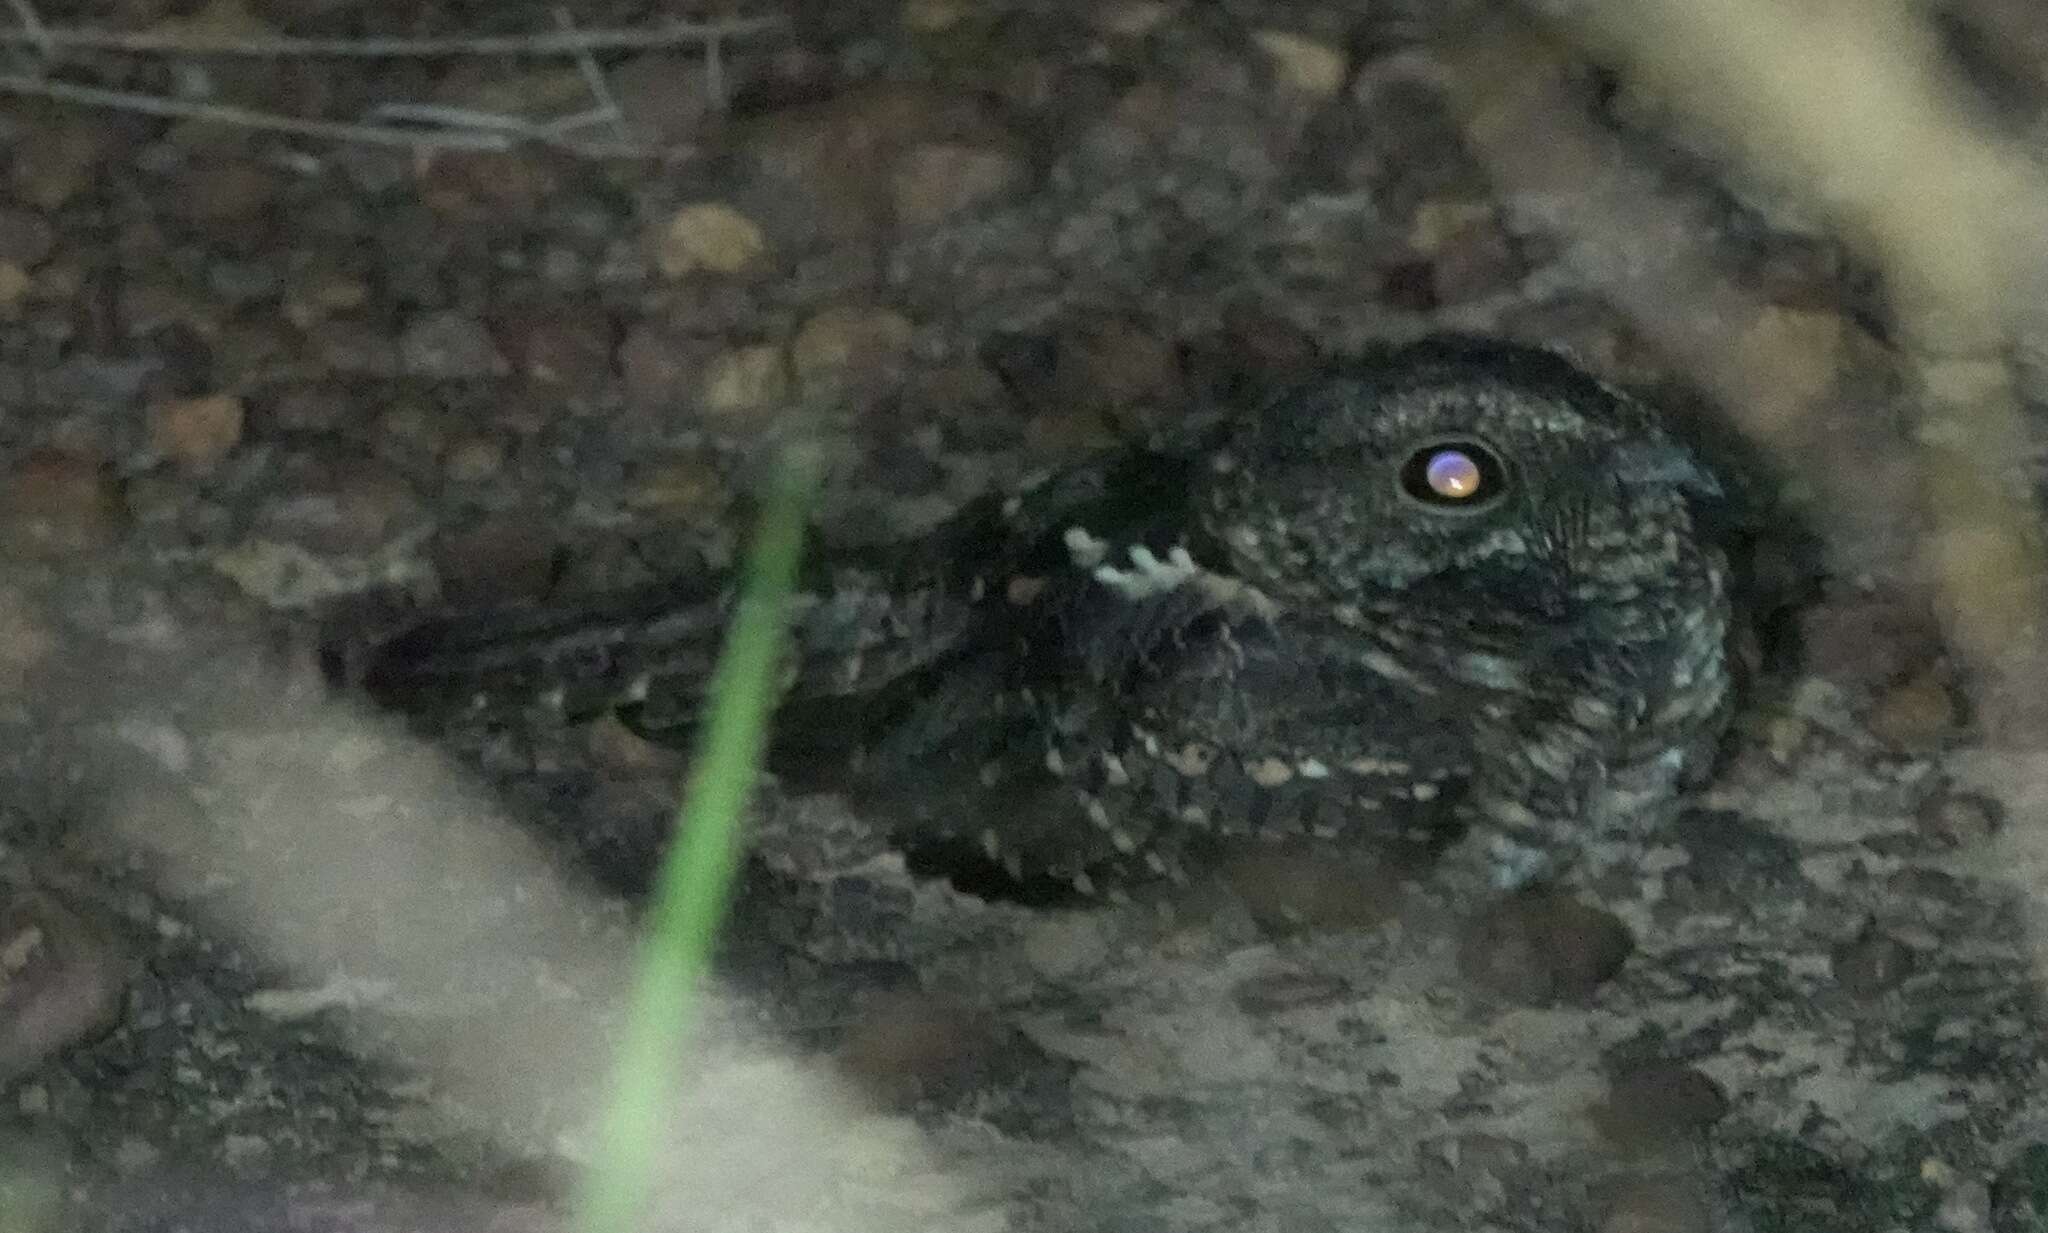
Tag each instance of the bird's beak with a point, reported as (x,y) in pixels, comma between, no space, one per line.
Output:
(1663,462)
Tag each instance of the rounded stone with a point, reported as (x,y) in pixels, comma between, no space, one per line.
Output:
(56,504)
(709,236)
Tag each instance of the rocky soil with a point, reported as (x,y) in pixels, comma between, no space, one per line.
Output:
(255,387)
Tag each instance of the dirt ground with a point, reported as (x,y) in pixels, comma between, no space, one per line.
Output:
(268,962)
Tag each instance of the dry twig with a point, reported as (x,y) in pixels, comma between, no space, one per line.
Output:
(558,43)
(244,117)
(33,30)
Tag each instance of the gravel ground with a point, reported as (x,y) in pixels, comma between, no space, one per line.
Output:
(254,387)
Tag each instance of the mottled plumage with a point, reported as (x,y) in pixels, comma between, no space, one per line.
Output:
(1460,581)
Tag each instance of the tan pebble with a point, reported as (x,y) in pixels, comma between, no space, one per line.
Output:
(662,95)
(51,165)
(315,294)
(465,185)
(678,485)
(1917,715)
(908,1046)
(1866,640)
(1023,590)
(1800,347)
(60,980)
(659,368)
(932,16)
(197,433)
(1310,886)
(850,341)
(1305,65)
(227,191)
(1478,260)
(1269,772)
(1115,364)
(571,347)
(937,180)
(1131,18)
(26,237)
(15,284)
(504,557)
(745,379)
(1656,1104)
(147,305)
(473,459)
(26,641)
(450,344)
(619,748)
(1784,735)
(1658,1204)
(1542,947)
(1437,219)
(340,505)
(709,236)
(55,504)
(1960,819)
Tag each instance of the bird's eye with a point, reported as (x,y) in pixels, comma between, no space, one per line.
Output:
(1453,475)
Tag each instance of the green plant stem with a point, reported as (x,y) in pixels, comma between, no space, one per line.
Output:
(695,882)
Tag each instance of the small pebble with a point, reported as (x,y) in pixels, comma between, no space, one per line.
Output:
(912,1046)
(659,368)
(1916,716)
(354,349)
(26,237)
(1657,1104)
(1289,890)
(339,504)
(1864,641)
(311,408)
(1130,18)
(49,167)
(621,750)
(662,96)
(1659,1204)
(15,285)
(570,344)
(683,487)
(503,558)
(233,191)
(744,380)
(857,345)
(1871,965)
(1960,819)
(1801,347)
(934,181)
(1305,65)
(473,459)
(450,345)
(709,236)
(61,980)
(27,641)
(1541,947)
(197,433)
(55,505)
(317,292)
(1475,261)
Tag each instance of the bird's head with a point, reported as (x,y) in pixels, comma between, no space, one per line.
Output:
(1495,477)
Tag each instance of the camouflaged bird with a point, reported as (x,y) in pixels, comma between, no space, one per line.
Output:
(1455,583)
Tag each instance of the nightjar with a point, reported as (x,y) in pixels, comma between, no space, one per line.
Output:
(1453,585)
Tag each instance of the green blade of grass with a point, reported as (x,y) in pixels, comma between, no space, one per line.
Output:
(695,882)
